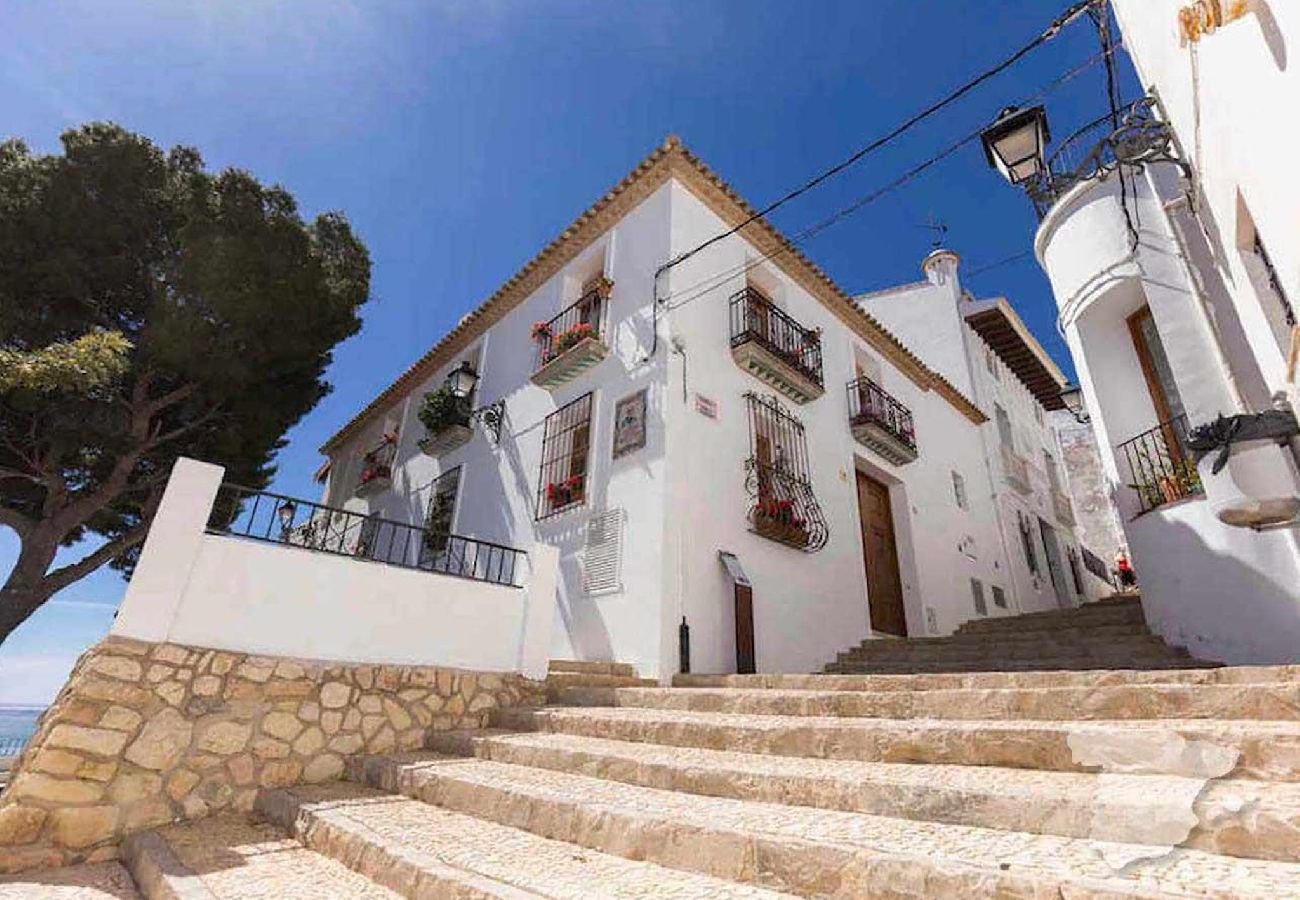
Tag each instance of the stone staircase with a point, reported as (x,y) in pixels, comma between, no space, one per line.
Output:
(1097,784)
(1107,634)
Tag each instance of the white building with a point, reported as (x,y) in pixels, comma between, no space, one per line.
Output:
(1176,266)
(719,420)
(984,349)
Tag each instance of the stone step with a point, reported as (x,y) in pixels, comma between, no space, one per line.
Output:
(1268,751)
(424,851)
(1111,807)
(1139,647)
(1221,675)
(229,857)
(556,682)
(1083,616)
(590,668)
(1057,664)
(1063,634)
(1270,702)
(93,881)
(818,852)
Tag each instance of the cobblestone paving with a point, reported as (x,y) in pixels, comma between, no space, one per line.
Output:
(566,802)
(518,858)
(242,860)
(96,881)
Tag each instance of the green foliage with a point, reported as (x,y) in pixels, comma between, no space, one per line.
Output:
(228,302)
(91,361)
(441,409)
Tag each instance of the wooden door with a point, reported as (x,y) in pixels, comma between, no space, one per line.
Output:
(744,630)
(880,555)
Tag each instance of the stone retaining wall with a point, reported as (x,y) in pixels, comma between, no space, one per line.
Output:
(143,734)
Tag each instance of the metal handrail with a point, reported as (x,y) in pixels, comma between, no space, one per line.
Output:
(755,318)
(586,313)
(293,522)
(1160,465)
(869,402)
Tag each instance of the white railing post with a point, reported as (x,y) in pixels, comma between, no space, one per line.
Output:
(169,551)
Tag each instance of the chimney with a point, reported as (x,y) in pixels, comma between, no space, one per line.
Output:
(940,267)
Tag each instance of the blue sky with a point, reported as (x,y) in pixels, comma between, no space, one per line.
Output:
(460,137)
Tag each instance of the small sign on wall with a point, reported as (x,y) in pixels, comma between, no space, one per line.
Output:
(629,424)
(706,406)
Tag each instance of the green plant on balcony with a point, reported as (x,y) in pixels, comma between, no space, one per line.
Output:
(442,409)
(1169,481)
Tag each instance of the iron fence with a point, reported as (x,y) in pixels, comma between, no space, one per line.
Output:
(1161,469)
(755,318)
(291,522)
(778,481)
(869,402)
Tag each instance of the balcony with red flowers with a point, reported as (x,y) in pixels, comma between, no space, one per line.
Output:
(377,466)
(573,341)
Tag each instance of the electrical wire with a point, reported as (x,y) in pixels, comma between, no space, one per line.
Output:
(980,270)
(712,282)
(1074,11)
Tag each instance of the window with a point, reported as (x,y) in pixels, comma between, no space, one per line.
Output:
(1053,475)
(1074,571)
(1005,433)
(991,363)
(1264,278)
(1038,414)
(566,439)
(439,517)
(778,480)
(977,593)
(959,490)
(999,597)
(1027,540)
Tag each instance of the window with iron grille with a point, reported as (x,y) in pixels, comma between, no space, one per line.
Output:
(977,593)
(784,508)
(566,440)
(1074,571)
(999,597)
(1027,539)
(439,516)
(959,490)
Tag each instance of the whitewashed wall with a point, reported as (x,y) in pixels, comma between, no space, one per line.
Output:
(239,594)
(807,607)
(498,490)
(928,316)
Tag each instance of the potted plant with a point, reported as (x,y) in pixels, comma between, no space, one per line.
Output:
(568,339)
(779,521)
(445,418)
(567,492)
(602,286)
(541,331)
(377,469)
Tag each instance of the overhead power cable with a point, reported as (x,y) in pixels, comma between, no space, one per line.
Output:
(704,286)
(980,270)
(1069,15)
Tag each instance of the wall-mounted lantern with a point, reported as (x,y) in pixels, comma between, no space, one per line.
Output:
(1072,396)
(1016,144)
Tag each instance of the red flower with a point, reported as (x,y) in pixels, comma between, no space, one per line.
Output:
(541,330)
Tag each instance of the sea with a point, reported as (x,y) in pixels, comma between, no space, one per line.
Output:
(17,724)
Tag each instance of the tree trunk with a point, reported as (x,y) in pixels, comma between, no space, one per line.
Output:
(26,587)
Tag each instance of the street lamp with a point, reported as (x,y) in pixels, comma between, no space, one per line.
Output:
(1072,396)
(462,379)
(287,510)
(1016,143)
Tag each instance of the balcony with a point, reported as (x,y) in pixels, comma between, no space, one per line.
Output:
(881,423)
(573,341)
(775,348)
(1160,467)
(1015,468)
(1064,509)
(446,418)
(377,467)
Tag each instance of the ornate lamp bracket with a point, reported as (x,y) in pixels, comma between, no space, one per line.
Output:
(492,416)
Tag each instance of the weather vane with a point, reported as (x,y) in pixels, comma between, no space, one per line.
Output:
(939,228)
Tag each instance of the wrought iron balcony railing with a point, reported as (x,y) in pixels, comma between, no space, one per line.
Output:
(574,340)
(1135,137)
(277,519)
(881,422)
(776,348)
(1161,469)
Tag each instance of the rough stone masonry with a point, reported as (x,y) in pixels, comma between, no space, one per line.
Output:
(144,734)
